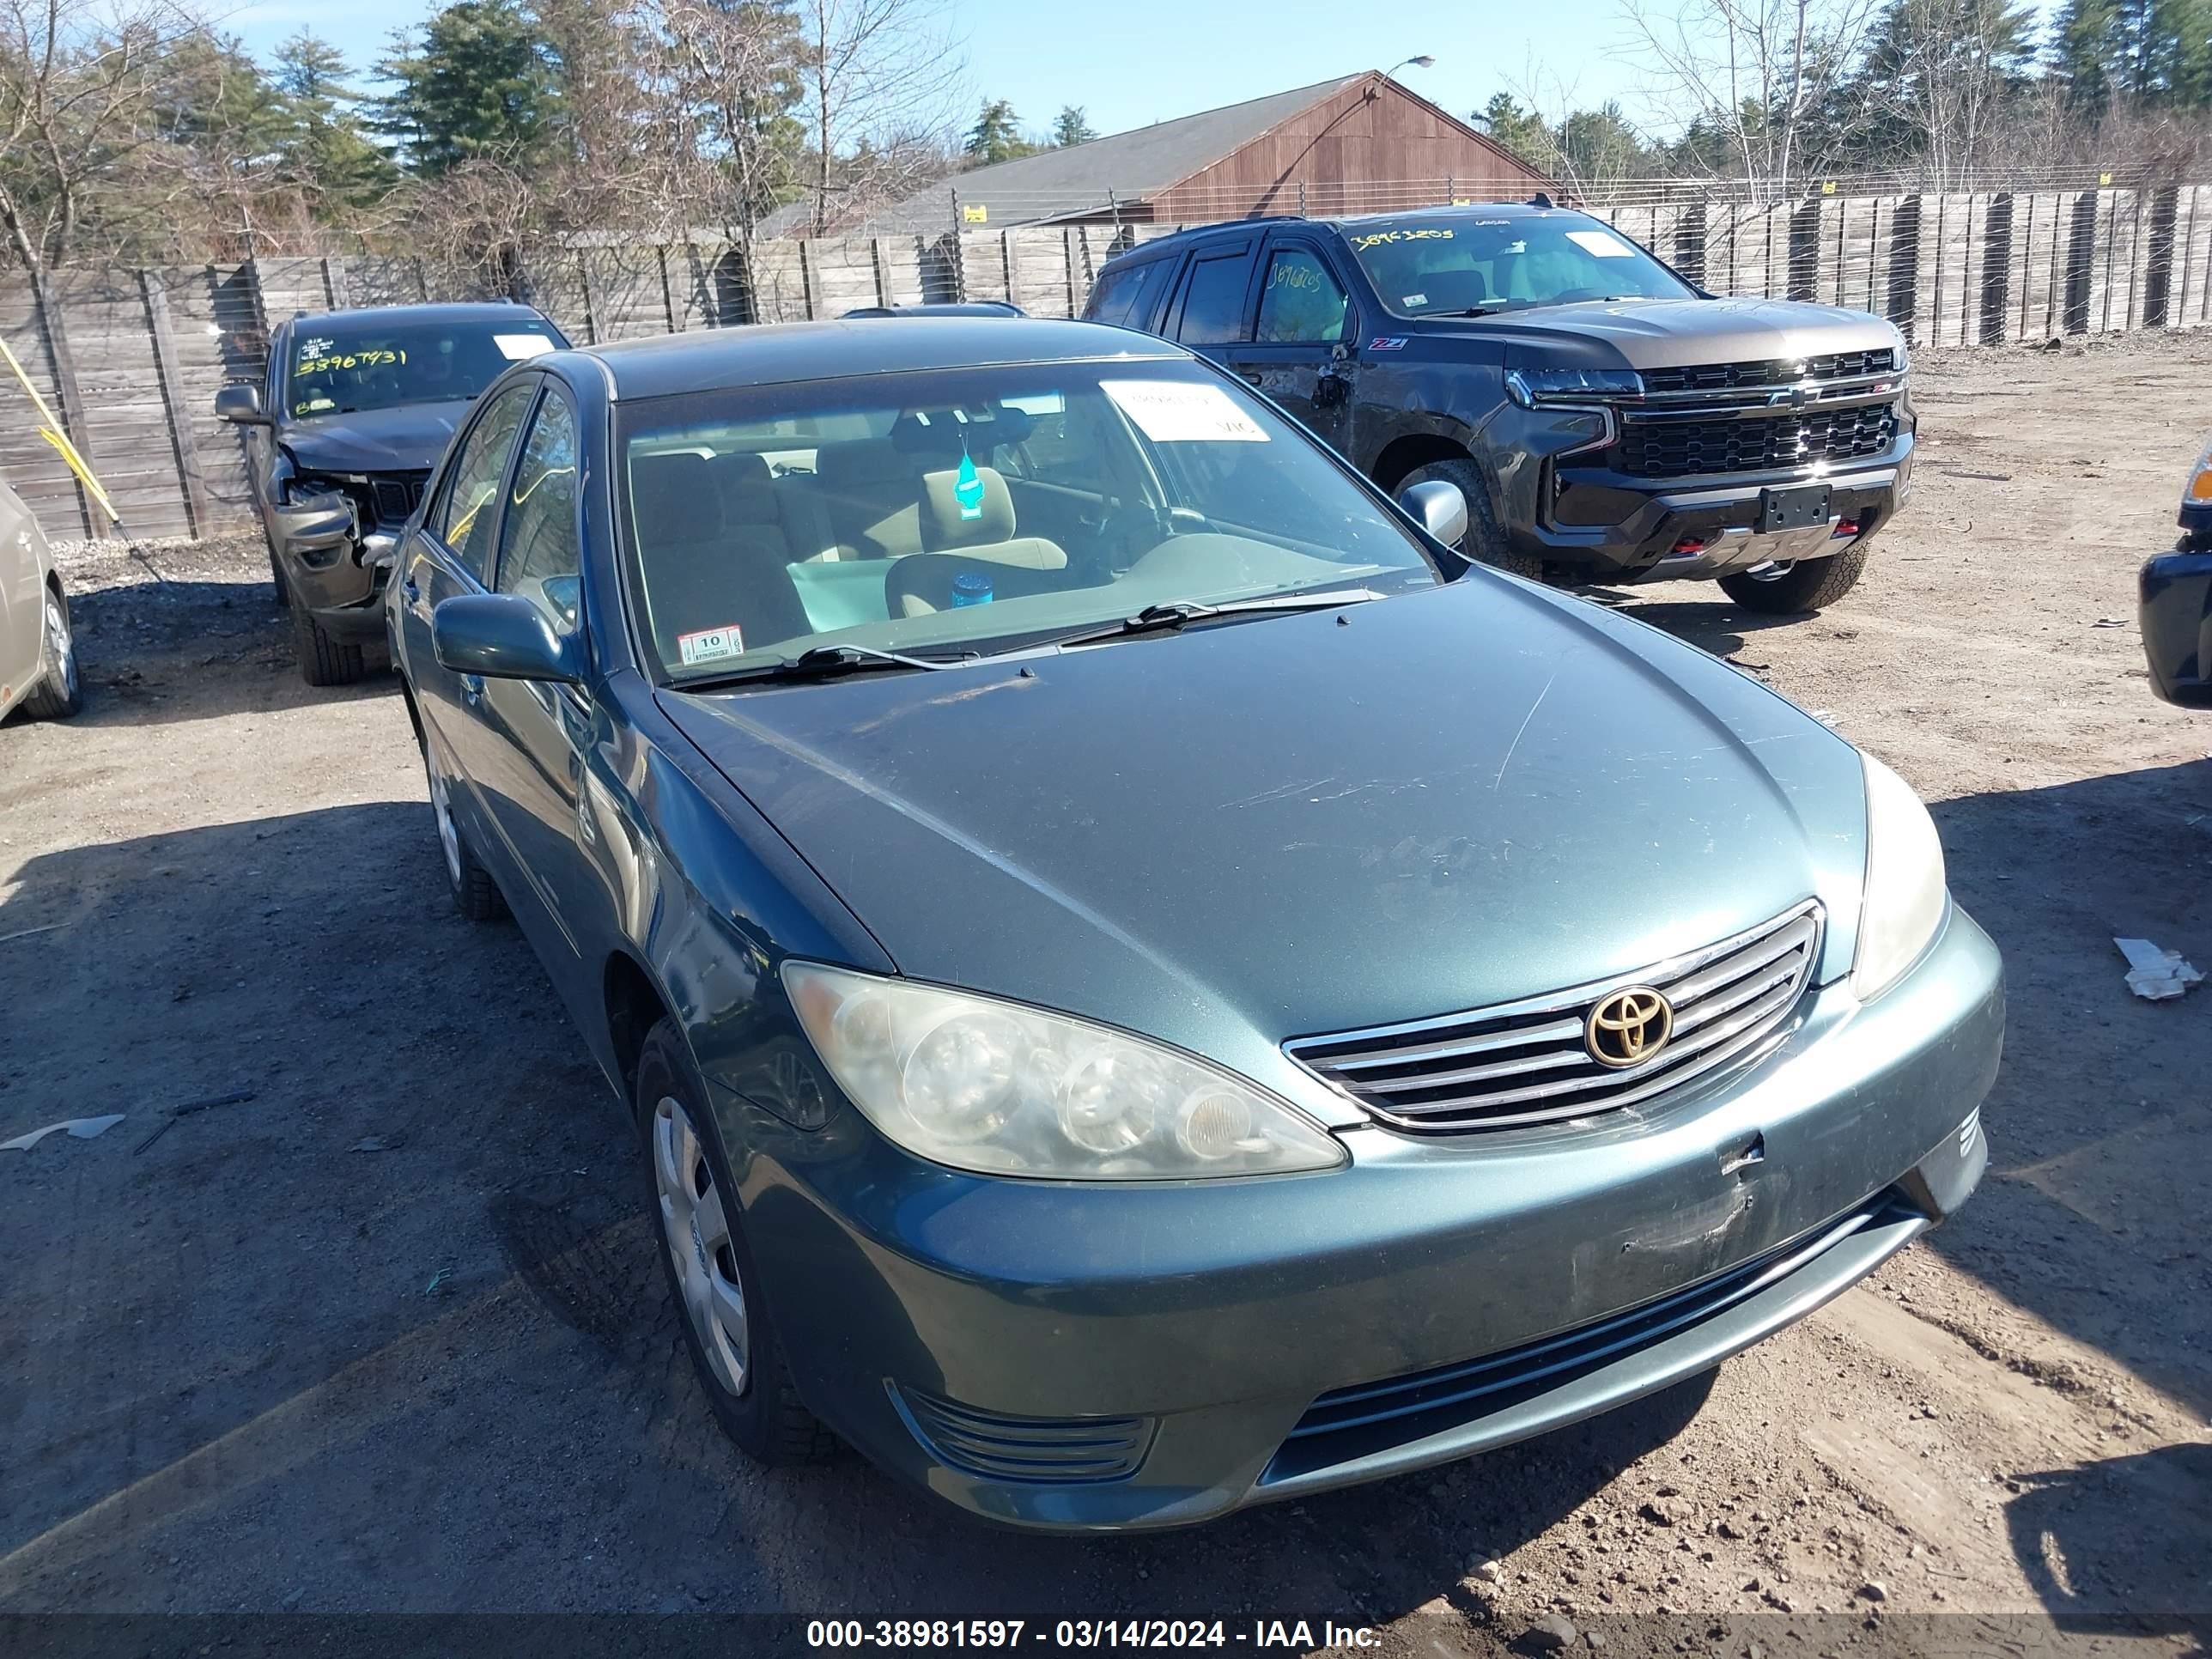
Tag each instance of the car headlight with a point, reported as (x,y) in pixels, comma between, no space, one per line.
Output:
(1005,1088)
(1530,387)
(1904,892)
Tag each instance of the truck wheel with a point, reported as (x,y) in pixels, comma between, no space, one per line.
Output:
(1796,589)
(1485,543)
(61,693)
(322,660)
(711,1277)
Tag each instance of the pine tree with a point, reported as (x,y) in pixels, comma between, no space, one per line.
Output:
(475,82)
(996,136)
(1071,126)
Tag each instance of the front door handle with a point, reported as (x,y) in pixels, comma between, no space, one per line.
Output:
(409,588)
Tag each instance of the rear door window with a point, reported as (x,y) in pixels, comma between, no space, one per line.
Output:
(1213,309)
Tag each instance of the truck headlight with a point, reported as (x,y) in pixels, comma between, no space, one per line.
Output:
(1005,1088)
(1531,386)
(1905,892)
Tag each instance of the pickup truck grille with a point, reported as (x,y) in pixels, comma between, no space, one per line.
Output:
(1731,377)
(1526,1062)
(1686,448)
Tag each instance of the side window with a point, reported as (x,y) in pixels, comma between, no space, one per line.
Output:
(1301,299)
(1213,300)
(1116,289)
(463,519)
(539,556)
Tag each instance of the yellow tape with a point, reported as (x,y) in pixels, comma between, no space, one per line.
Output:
(52,433)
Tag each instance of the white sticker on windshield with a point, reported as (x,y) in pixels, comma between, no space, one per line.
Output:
(1415,300)
(710,644)
(1603,243)
(515,347)
(1177,412)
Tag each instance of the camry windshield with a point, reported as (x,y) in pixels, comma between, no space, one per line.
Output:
(975,510)
(1473,263)
(342,368)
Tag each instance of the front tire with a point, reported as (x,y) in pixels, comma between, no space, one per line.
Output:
(709,1267)
(323,659)
(1798,589)
(61,692)
(1485,542)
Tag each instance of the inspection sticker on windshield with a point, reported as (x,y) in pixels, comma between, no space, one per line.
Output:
(515,347)
(710,645)
(1603,243)
(1175,412)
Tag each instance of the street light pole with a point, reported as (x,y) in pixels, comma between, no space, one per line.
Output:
(1423,61)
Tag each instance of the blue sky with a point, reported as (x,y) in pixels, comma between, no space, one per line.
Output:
(1139,61)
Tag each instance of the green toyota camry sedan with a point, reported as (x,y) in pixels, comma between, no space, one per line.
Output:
(1146,983)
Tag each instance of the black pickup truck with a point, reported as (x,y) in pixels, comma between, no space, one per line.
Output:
(1606,420)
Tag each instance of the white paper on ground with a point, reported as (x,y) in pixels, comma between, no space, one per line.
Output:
(82,1129)
(2155,975)
(1178,412)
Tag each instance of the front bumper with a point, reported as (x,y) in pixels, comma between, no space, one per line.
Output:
(335,569)
(1016,1346)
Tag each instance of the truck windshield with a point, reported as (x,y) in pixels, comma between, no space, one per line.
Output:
(1437,264)
(973,510)
(340,368)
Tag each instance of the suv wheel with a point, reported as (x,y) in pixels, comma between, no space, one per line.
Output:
(61,693)
(1485,543)
(324,660)
(1794,589)
(709,1267)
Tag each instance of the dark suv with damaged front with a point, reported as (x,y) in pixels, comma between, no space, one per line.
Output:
(352,412)
(1606,420)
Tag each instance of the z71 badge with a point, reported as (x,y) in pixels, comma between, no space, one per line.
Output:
(1387,342)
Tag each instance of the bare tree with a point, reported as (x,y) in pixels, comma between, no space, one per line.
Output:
(879,79)
(79,84)
(1943,74)
(736,68)
(1759,76)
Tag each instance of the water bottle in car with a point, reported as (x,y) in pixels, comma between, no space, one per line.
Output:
(971,587)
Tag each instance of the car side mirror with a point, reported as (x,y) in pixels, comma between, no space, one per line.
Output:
(241,404)
(1439,507)
(502,637)
(2176,612)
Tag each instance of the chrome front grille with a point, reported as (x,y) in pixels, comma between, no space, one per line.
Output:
(1526,1062)
(1736,377)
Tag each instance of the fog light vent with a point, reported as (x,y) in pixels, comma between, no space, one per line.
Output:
(1051,1451)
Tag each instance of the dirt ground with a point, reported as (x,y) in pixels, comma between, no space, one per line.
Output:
(388,1336)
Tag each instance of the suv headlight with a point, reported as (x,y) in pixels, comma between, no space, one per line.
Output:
(1904,892)
(1530,387)
(1005,1088)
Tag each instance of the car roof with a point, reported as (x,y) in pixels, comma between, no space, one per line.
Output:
(708,360)
(1182,239)
(468,311)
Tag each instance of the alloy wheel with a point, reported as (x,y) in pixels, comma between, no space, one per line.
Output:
(442,807)
(60,647)
(695,1228)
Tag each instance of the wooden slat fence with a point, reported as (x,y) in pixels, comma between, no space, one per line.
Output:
(131,360)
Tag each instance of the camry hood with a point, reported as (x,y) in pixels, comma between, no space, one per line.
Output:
(1309,822)
(408,439)
(1667,333)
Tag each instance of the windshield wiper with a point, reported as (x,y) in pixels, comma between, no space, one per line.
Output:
(1471,311)
(1166,618)
(823,662)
